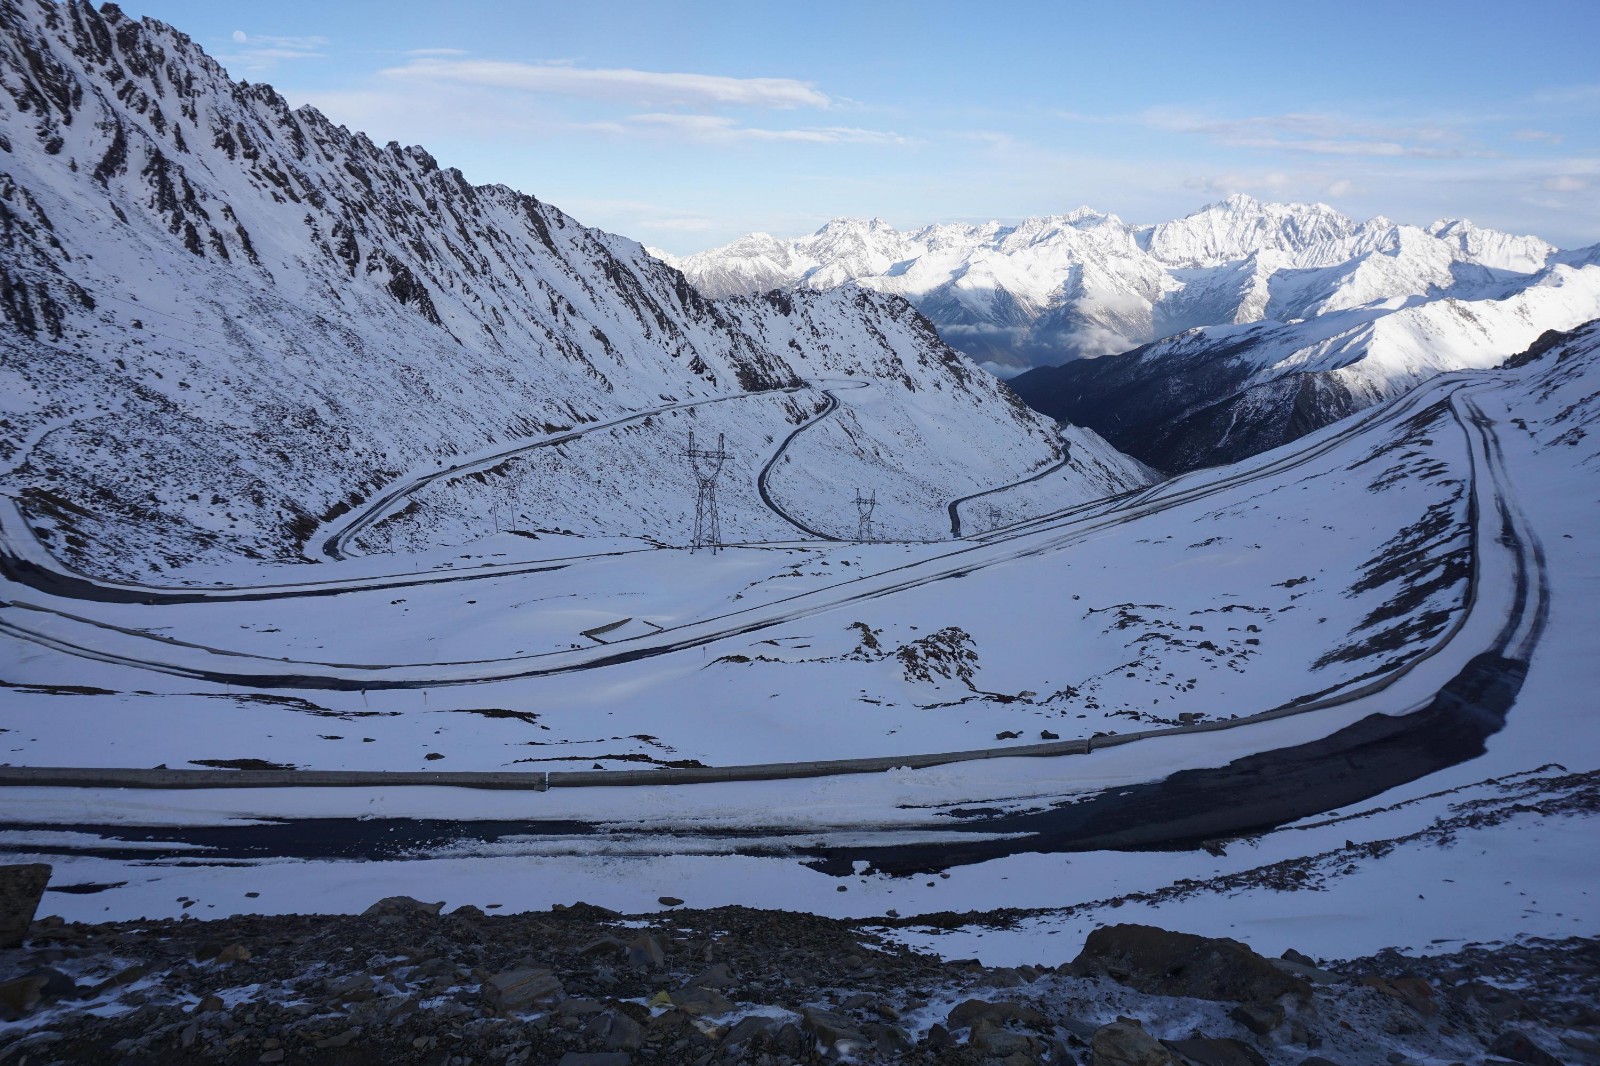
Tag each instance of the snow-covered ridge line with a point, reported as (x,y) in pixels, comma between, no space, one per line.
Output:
(1054,288)
(227,322)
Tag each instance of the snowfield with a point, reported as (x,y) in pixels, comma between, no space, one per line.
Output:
(1393,486)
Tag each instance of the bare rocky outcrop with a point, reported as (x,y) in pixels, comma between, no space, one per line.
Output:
(21,888)
(1165,963)
(732,985)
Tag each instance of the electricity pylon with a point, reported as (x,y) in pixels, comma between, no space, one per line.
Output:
(864,506)
(707,465)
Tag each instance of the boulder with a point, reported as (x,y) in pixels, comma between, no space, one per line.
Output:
(717,976)
(969,1013)
(1204,1051)
(1125,1043)
(1002,1043)
(747,1029)
(1258,1019)
(892,1041)
(616,1031)
(1516,1045)
(402,907)
(697,1002)
(21,995)
(595,1058)
(837,1035)
(1165,963)
(644,953)
(521,989)
(21,889)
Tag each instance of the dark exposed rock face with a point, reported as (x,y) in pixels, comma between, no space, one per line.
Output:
(21,888)
(1165,963)
(1179,414)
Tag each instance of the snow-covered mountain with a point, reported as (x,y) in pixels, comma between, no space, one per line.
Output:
(1086,284)
(1218,393)
(228,322)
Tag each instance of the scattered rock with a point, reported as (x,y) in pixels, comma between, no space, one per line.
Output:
(837,1035)
(644,953)
(19,996)
(1125,1043)
(1164,963)
(595,1058)
(669,901)
(717,976)
(616,1031)
(747,1029)
(701,1001)
(1222,1051)
(21,888)
(1517,1046)
(971,1012)
(521,989)
(1259,1019)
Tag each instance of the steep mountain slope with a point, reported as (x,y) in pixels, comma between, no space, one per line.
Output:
(1216,394)
(227,322)
(1085,284)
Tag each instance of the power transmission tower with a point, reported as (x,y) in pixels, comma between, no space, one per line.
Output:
(864,506)
(707,465)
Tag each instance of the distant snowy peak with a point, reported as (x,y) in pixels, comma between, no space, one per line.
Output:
(1085,283)
(1491,248)
(1308,235)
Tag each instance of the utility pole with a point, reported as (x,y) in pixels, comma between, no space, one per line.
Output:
(707,466)
(864,506)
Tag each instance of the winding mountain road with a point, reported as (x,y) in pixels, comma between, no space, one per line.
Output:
(1389,745)
(53,626)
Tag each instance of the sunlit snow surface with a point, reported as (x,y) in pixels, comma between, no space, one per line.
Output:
(1113,618)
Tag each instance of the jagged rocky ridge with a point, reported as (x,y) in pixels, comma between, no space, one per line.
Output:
(227,321)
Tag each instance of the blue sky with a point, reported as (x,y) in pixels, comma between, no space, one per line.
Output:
(686,124)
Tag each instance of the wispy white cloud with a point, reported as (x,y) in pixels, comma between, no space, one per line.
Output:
(723,128)
(1315,134)
(679,225)
(637,87)
(1570,94)
(256,51)
(436,52)
(1543,136)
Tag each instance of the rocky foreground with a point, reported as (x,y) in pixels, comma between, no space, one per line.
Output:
(584,986)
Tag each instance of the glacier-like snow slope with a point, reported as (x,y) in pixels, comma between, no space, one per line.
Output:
(228,324)
(1055,288)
